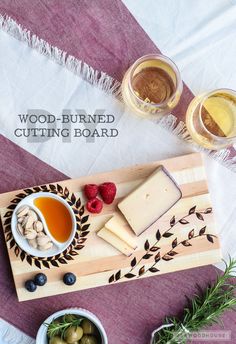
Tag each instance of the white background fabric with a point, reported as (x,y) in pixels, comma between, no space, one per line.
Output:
(11,335)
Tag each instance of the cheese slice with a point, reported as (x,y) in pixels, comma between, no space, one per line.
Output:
(118,226)
(116,242)
(149,201)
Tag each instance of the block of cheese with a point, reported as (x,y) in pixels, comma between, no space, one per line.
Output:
(149,201)
(118,226)
(115,241)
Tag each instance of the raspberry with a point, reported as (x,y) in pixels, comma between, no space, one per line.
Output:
(90,191)
(108,192)
(94,206)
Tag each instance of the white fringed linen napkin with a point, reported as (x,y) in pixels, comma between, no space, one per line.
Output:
(9,334)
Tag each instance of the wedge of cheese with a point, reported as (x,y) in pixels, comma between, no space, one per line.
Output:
(118,226)
(149,201)
(115,241)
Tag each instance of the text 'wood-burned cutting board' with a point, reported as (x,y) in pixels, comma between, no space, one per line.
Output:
(182,238)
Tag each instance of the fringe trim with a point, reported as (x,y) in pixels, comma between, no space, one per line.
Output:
(12,335)
(179,129)
(78,67)
(105,83)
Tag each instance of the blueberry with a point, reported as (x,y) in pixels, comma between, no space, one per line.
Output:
(69,278)
(40,279)
(30,286)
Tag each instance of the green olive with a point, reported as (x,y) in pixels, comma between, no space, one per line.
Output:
(69,317)
(73,334)
(88,327)
(56,340)
(88,340)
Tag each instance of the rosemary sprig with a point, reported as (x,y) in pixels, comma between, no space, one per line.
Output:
(58,328)
(205,309)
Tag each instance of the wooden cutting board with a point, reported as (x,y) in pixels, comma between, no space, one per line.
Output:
(185,237)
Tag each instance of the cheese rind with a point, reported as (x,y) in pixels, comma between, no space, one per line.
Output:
(121,229)
(116,242)
(149,201)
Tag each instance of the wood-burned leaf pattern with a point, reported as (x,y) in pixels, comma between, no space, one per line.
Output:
(78,203)
(172,253)
(167,234)
(73,198)
(199,216)
(66,192)
(8,213)
(174,243)
(28,191)
(73,253)
(62,261)
(129,275)
(191,234)
(12,243)
(84,219)
(81,212)
(54,263)
(85,227)
(158,235)
(133,262)
(82,228)
(172,221)
(37,263)
(146,245)
(7,221)
(202,230)
(166,257)
(17,251)
(83,234)
(59,189)
(154,248)
(21,195)
(186,243)
(183,221)
(29,260)
(22,255)
(157,257)
(46,264)
(79,247)
(210,238)
(118,275)
(153,269)
(141,271)
(147,256)
(111,279)
(8,236)
(208,211)
(68,257)
(137,271)
(192,210)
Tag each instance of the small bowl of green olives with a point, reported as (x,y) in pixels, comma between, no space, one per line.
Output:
(72,326)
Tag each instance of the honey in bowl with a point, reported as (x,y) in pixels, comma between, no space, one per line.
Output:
(57,217)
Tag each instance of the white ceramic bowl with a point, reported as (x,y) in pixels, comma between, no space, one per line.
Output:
(42,332)
(23,243)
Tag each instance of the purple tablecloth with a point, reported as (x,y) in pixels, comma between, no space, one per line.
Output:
(102,34)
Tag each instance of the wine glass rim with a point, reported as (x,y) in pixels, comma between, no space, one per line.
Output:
(168,61)
(206,96)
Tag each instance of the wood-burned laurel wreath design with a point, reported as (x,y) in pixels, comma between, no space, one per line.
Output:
(82,227)
(154,250)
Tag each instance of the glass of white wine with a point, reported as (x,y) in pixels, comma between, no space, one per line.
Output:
(152,86)
(211,119)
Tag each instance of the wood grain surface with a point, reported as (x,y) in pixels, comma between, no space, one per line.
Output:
(183,238)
